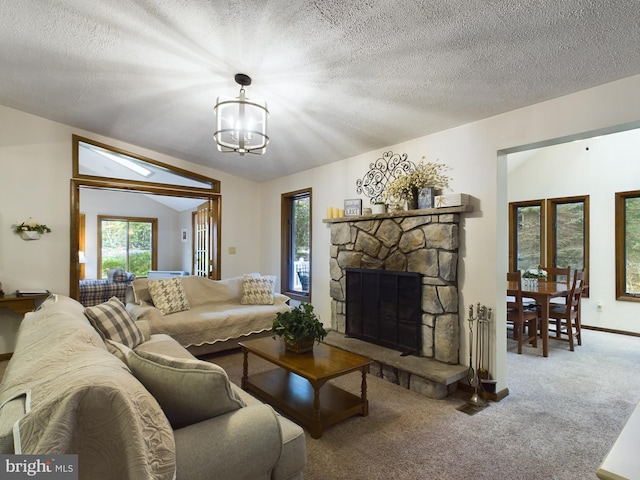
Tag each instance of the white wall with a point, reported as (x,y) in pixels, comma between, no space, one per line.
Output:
(479,168)
(35,169)
(598,167)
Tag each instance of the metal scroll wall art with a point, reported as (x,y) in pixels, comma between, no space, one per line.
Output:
(385,169)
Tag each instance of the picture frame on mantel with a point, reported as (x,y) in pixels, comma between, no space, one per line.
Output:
(426,198)
(352,207)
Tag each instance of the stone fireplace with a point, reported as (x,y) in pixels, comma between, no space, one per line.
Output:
(421,241)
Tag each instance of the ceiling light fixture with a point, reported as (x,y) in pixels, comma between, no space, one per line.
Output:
(241,125)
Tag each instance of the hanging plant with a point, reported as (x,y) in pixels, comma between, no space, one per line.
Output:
(30,230)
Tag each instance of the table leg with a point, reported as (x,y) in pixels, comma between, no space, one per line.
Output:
(363,392)
(544,328)
(245,368)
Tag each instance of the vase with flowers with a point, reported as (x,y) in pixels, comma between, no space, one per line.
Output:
(531,276)
(407,187)
(30,230)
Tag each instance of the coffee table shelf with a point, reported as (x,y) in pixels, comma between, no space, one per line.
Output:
(300,388)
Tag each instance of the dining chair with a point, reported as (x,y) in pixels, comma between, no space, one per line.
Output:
(564,319)
(557,274)
(521,315)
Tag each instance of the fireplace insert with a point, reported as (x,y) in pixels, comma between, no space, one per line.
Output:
(385,307)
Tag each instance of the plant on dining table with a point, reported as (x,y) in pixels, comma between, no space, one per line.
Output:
(538,273)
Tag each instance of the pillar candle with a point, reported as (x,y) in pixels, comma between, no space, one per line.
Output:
(329,212)
(341,212)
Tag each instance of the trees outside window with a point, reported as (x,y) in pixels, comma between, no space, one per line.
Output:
(127,243)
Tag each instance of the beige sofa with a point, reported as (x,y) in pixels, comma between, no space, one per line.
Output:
(215,318)
(64,391)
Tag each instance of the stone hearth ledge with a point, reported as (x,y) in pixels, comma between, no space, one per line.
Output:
(422,375)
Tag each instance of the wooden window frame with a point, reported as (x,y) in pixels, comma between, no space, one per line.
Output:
(154,237)
(548,209)
(513,222)
(552,204)
(286,244)
(620,233)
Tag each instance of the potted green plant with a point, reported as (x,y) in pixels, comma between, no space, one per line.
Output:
(299,328)
(379,207)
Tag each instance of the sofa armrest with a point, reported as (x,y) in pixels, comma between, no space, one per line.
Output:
(245,444)
(144,312)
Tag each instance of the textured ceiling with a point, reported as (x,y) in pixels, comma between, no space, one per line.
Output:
(340,77)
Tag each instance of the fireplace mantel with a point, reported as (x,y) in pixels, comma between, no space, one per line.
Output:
(402,213)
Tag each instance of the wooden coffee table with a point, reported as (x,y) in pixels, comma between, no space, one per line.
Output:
(299,388)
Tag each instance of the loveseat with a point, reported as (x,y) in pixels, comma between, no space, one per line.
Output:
(153,411)
(207,315)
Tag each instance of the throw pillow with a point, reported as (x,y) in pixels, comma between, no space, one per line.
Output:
(188,390)
(168,295)
(258,290)
(116,275)
(113,322)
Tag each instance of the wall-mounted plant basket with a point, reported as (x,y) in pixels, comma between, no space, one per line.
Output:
(30,235)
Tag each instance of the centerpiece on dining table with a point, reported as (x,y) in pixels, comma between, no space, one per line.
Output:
(532,276)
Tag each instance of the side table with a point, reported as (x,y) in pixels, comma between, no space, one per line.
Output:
(21,304)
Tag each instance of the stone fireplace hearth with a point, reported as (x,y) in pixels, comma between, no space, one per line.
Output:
(421,241)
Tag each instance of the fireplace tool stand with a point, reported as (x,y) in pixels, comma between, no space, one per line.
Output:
(481,318)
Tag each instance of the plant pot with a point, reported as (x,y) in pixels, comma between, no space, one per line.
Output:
(29,235)
(299,346)
(378,208)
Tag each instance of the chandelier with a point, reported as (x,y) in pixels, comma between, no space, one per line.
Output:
(241,124)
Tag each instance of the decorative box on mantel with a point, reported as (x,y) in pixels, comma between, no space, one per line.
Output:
(452,200)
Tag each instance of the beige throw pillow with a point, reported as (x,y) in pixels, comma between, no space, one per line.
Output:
(258,290)
(188,390)
(168,295)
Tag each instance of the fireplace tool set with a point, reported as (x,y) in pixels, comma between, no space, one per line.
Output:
(476,375)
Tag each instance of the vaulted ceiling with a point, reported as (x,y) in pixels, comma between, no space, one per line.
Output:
(341,77)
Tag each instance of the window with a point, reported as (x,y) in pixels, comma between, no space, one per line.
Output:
(526,224)
(550,232)
(127,243)
(296,244)
(628,246)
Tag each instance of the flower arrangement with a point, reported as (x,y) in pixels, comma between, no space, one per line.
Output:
(30,226)
(538,273)
(406,187)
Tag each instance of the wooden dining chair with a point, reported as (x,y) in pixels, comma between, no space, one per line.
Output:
(564,319)
(521,316)
(557,274)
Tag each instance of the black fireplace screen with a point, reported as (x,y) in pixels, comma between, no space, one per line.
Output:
(385,307)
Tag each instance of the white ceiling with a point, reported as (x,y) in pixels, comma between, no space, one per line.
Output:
(341,77)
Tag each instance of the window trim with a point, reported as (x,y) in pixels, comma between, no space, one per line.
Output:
(552,204)
(513,221)
(620,235)
(285,241)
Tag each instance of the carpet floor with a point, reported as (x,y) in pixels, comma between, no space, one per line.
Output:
(561,417)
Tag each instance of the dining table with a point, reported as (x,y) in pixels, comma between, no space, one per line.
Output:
(542,293)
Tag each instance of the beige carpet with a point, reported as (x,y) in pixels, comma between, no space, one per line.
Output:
(563,414)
